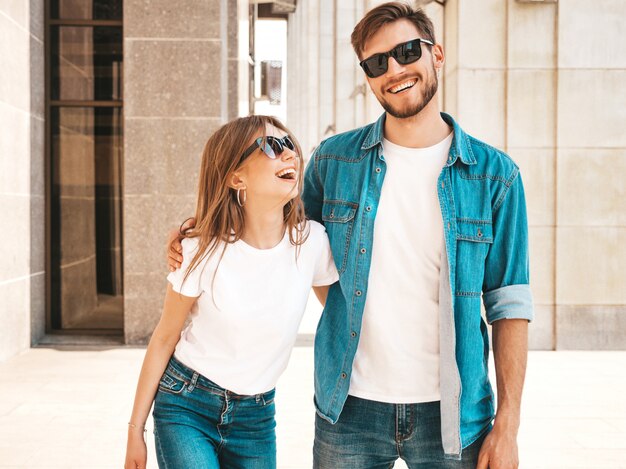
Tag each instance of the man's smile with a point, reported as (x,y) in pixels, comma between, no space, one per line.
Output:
(405,85)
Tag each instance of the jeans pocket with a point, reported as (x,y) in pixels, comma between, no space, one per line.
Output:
(171,383)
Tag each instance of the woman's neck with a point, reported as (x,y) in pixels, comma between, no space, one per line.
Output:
(263,229)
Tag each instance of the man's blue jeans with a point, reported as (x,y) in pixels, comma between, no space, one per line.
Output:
(201,425)
(373,435)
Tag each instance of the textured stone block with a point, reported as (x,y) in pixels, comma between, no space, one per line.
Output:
(592,109)
(172,78)
(14,56)
(162,156)
(37,155)
(148,221)
(37,307)
(14,151)
(143,304)
(531,103)
(600,174)
(537,167)
(166,19)
(590,266)
(541,242)
(450,36)
(37,79)
(15,245)
(531,31)
(17,10)
(541,329)
(591,33)
(584,327)
(481,106)
(15,317)
(482,34)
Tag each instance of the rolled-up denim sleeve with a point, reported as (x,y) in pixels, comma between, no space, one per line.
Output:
(313,193)
(506,287)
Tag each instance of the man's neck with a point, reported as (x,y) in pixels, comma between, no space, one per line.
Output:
(420,131)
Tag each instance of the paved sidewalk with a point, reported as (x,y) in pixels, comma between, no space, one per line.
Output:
(69,408)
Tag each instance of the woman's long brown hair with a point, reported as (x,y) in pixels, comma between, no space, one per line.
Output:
(219,218)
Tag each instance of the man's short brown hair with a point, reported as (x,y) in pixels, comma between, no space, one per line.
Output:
(389,13)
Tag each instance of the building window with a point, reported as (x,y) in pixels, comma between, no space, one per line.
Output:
(84,106)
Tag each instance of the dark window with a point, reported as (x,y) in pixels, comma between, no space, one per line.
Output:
(85,165)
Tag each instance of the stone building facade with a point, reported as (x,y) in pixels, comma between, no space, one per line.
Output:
(105,107)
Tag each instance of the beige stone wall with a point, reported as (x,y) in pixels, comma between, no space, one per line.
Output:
(591,166)
(543,82)
(22,287)
(180,84)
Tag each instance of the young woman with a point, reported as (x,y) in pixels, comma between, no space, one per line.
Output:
(248,267)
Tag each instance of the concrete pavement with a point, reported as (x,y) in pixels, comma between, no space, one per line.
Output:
(68,408)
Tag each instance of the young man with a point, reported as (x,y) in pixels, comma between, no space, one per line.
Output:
(422,219)
(401,350)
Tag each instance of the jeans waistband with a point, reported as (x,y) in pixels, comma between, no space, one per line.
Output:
(188,374)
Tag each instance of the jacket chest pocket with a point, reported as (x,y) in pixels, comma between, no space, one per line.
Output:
(474,237)
(338,218)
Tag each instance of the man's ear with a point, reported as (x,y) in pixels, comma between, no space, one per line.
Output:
(439,58)
(235,181)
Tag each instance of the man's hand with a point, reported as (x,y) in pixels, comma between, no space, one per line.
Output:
(174,248)
(499,449)
(510,350)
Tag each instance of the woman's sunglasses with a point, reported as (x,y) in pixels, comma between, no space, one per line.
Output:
(271,146)
(405,53)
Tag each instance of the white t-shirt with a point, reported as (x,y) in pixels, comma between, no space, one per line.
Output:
(397,359)
(244,326)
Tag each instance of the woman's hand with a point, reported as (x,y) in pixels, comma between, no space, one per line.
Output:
(136,451)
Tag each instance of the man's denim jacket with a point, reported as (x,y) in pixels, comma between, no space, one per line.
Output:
(485,251)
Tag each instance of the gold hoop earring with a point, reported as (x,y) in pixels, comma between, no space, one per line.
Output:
(245,196)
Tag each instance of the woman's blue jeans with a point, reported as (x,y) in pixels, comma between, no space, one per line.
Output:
(198,424)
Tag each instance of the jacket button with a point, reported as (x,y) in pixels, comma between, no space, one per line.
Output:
(343,376)
(352,334)
(368,209)
(378,170)
(358,293)
(363,250)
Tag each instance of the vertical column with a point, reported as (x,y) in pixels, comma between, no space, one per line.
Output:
(481,68)
(531,138)
(500,84)
(346,88)
(22,281)
(591,207)
(176,93)
(326,69)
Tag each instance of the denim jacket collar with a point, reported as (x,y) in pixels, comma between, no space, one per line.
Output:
(459,148)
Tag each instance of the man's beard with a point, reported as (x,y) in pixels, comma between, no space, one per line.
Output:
(430,88)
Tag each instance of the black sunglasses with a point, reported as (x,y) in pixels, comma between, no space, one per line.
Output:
(271,146)
(405,53)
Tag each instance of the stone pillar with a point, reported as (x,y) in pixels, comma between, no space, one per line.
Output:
(531,141)
(500,85)
(180,84)
(591,165)
(22,280)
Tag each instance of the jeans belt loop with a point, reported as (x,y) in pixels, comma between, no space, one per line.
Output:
(194,380)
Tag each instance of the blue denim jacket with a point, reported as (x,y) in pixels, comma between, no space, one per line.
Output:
(485,251)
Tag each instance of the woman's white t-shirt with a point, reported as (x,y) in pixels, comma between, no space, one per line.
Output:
(245,321)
